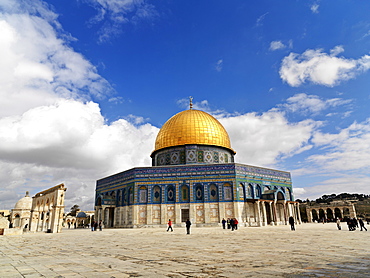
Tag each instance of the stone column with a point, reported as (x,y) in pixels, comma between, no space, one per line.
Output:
(309,214)
(285,212)
(206,213)
(264,213)
(299,213)
(177,213)
(259,214)
(163,214)
(149,213)
(274,212)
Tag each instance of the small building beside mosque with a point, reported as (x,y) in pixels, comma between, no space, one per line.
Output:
(194,176)
(40,213)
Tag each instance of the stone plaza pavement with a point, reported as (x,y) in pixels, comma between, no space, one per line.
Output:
(313,250)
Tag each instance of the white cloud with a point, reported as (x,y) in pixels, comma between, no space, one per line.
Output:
(347,150)
(298,192)
(315,8)
(38,68)
(321,68)
(113,14)
(269,133)
(311,104)
(342,184)
(276,45)
(50,130)
(219,65)
(69,142)
(259,21)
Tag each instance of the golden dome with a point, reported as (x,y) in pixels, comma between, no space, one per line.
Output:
(192,127)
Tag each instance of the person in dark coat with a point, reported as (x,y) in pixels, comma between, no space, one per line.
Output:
(228,223)
(223,223)
(362,225)
(291,222)
(232,224)
(188,224)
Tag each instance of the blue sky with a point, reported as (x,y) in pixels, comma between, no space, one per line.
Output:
(86,85)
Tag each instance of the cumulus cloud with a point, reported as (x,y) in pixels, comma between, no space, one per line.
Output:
(38,68)
(113,14)
(51,131)
(69,142)
(311,104)
(321,68)
(347,150)
(276,45)
(269,133)
(342,184)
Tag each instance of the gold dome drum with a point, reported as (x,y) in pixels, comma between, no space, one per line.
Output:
(192,127)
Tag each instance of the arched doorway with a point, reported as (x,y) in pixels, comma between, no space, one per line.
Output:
(268,212)
(338,213)
(315,216)
(322,215)
(329,214)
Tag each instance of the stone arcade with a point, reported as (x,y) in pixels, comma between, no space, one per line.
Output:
(193,175)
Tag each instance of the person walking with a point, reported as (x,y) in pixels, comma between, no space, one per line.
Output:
(236,222)
(228,223)
(362,225)
(291,222)
(338,224)
(169,225)
(100,225)
(232,224)
(223,223)
(188,224)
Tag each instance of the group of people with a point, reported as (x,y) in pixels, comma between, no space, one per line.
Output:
(187,224)
(95,225)
(352,224)
(231,223)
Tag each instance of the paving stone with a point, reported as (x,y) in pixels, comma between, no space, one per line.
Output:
(313,250)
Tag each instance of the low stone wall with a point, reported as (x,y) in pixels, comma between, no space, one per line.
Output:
(12,231)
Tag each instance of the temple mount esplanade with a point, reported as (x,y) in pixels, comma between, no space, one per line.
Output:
(194,176)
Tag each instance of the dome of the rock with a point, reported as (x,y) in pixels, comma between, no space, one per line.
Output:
(192,127)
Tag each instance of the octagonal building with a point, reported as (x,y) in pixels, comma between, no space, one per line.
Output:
(194,176)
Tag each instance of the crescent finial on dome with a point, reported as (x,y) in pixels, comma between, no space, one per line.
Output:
(191,102)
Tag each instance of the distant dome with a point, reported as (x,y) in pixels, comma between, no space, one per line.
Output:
(25,203)
(192,127)
(81,214)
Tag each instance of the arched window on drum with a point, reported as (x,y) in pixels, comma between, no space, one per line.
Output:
(241,191)
(280,196)
(198,191)
(130,196)
(143,195)
(213,192)
(185,193)
(228,192)
(288,194)
(250,191)
(258,191)
(157,194)
(171,197)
